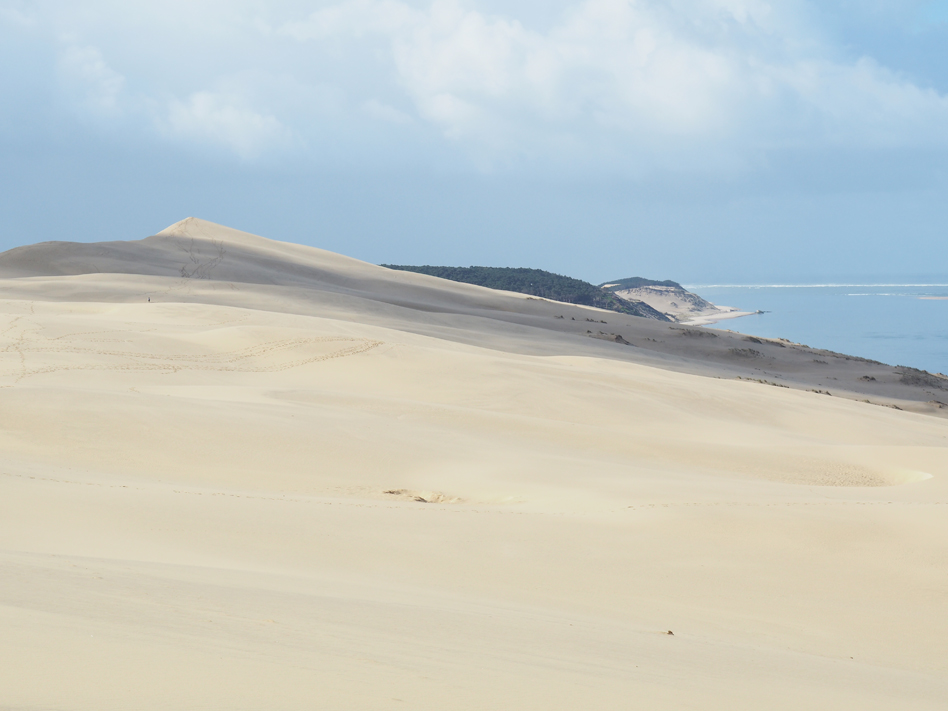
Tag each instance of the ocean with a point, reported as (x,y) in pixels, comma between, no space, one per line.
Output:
(892,323)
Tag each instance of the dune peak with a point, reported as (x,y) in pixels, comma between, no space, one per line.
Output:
(185,227)
(196,228)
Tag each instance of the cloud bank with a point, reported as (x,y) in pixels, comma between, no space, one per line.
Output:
(633,86)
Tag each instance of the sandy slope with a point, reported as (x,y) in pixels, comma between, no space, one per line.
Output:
(681,305)
(194,510)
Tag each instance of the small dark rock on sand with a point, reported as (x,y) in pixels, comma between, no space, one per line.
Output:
(695,333)
(745,352)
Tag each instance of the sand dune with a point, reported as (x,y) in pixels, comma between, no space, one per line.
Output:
(293,479)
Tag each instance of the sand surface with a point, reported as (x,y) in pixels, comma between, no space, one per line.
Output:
(681,305)
(295,480)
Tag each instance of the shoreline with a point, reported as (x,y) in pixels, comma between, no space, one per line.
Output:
(894,327)
(712,318)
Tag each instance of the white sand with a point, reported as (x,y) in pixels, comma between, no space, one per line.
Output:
(193,511)
(682,306)
(722,313)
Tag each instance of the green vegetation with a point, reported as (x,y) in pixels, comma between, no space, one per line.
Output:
(922,378)
(537,282)
(635,283)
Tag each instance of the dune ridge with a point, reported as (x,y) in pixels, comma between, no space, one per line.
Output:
(240,473)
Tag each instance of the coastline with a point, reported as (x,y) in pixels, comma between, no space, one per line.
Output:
(708,319)
(881,322)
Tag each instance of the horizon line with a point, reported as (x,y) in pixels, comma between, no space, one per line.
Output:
(797,286)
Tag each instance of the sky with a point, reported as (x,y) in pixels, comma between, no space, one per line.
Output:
(706,141)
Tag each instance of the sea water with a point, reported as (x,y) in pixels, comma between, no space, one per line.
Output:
(892,323)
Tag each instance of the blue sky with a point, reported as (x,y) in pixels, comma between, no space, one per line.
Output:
(699,140)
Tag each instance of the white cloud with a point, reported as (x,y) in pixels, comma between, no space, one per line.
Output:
(379,110)
(218,119)
(16,15)
(89,82)
(652,75)
(355,17)
(635,84)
